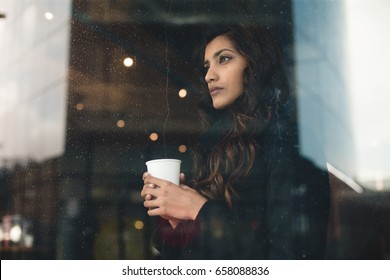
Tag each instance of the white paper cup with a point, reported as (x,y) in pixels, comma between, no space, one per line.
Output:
(167,169)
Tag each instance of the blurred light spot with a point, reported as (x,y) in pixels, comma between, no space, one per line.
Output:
(182,93)
(79,106)
(49,16)
(128,62)
(15,233)
(153,136)
(182,148)
(121,123)
(139,225)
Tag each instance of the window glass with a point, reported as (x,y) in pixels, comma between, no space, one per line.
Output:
(91,90)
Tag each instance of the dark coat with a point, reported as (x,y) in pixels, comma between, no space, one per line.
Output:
(281,213)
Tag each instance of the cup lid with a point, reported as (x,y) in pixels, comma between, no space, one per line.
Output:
(162,160)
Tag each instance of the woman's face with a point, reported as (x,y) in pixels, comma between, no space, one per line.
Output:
(225,71)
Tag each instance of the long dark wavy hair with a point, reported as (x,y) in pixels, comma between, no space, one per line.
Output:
(217,171)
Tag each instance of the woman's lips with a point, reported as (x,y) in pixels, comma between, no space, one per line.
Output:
(214,90)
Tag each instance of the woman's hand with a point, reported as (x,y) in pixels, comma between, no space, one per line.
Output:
(171,201)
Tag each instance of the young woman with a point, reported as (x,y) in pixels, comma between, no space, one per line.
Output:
(253,196)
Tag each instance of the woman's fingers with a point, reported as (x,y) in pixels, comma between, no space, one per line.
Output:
(151,203)
(166,199)
(147,189)
(154,212)
(148,179)
(145,175)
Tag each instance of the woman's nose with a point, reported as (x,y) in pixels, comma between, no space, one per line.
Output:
(211,75)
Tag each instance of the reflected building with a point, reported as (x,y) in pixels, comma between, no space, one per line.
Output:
(33,92)
(89,91)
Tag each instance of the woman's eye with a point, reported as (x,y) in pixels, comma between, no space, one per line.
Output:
(223,59)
